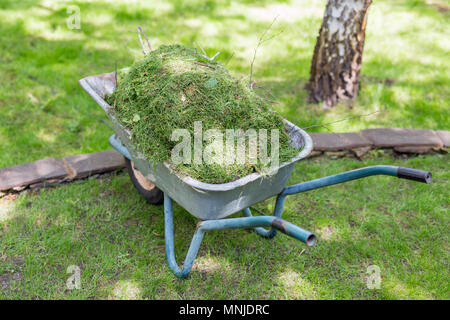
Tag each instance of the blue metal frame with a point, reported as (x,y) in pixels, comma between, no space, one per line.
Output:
(115,142)
(274,222)
(233,223)
(259,223)
(320,183)
(340,178)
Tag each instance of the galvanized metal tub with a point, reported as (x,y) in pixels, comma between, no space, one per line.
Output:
(203,200)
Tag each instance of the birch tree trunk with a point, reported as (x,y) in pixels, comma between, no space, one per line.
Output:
(337,59)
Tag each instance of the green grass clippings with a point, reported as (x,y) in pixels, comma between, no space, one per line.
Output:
(173,87)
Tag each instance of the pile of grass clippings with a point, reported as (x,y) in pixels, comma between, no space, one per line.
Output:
(173,87)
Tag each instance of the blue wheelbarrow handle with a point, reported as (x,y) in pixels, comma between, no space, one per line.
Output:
(400,172)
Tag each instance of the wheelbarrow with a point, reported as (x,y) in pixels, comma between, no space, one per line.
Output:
(211,203)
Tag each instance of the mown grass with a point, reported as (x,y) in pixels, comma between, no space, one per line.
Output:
(169,91)
(44,112)
(117,240)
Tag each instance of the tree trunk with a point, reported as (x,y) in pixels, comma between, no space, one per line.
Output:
(337,59)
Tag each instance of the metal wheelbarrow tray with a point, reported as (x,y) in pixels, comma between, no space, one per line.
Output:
(212,202)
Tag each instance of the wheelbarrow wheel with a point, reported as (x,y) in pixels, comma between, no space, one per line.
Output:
(145,187)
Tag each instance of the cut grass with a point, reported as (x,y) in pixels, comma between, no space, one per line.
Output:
(169,91)
(117,240)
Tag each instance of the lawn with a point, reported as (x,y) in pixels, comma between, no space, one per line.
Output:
(117,240)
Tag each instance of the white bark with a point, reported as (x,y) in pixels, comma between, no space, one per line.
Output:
(337,57)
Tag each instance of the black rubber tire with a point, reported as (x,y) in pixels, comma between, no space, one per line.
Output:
(149,192)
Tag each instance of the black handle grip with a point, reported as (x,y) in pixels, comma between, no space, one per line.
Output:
(413,174)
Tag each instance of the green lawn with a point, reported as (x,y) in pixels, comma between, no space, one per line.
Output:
(44,112)
(117,240)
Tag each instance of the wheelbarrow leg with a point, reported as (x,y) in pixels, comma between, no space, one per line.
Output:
(272,232)
(233,223)
(170,247)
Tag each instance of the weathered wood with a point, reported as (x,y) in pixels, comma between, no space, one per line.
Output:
(412,149)
(84,165)
(30,173)
(398,137)
(336,64)
(52,170)
(338,141)
(444,136)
